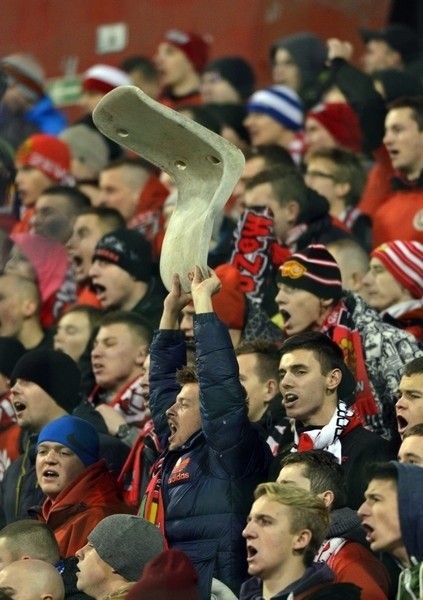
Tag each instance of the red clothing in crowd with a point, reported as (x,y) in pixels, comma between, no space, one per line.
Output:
(85,295)
(87,500)
(148,218)
(400,217)
(25,223)
(192,99)
(10,435)
(378,186)
(351,562)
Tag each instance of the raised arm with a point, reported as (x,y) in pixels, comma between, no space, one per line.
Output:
(167,355)
(174,302)
(202,290)
(235,446)
(359,91)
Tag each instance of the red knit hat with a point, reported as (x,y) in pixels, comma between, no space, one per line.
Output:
(169,576)
(104,79)
(230,303)
(404,260)
(192,45)
(341,122)
(48,154)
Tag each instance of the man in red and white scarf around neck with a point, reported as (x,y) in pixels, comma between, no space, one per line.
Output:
(318,392)
(117,359)
(311,298)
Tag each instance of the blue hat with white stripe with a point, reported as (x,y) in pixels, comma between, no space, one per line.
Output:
(281,103)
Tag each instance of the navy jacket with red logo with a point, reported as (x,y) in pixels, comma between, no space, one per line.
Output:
(208,483)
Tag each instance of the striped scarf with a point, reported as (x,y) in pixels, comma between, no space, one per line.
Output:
(328,437)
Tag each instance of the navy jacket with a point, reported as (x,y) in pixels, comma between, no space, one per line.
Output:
(317,575)
(208,483)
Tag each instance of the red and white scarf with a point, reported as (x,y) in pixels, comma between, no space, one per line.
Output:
(340,327)
(130,402)
(328,437)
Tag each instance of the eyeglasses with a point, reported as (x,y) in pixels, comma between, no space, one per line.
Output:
(314,174)
(211,77)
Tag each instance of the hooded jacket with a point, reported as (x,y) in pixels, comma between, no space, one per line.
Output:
(74,513)
(309,53)
(19,490)
(410,494)
(410,506)
(317,575)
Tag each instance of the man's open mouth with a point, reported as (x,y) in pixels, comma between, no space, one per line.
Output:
(289,399)
(402,423)
(50,474)
(285,315)
(369,532)
(19,406)
(99,290)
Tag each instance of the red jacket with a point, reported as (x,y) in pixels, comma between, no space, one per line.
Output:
(153,195)
(351,562)
(87,500)
(400,217)
(378,183)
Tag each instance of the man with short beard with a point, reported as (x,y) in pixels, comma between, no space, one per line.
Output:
(214,457)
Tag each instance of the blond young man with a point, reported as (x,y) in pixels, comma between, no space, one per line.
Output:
(284,530)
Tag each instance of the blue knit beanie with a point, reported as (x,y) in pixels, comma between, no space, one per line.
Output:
(76,434)
(281,103)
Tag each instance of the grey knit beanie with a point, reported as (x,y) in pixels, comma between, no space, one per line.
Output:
(87,145)
(25,70)
(126,543)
